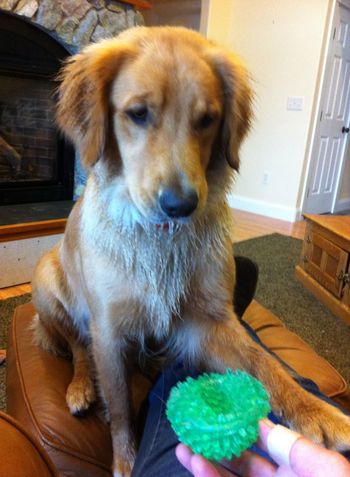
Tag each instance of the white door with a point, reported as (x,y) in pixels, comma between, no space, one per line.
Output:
(332,131)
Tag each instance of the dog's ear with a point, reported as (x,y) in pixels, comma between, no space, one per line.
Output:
(237,102)
(83,105)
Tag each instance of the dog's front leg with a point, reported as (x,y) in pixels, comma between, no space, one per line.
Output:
(112,378)
(229,346)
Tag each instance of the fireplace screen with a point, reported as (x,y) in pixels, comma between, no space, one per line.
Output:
(36,162)
(28,138)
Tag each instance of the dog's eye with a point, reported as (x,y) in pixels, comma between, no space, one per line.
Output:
(205,121)
(139,115)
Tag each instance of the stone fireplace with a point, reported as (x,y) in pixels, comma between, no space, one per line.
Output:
(36,162)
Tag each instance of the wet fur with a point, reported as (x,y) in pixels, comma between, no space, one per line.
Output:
(119,279)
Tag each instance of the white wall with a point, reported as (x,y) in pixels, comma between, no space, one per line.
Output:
(281,42)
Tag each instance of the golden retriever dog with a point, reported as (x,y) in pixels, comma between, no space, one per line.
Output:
(158,115)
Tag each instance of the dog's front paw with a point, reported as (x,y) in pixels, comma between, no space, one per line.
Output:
(324,424)
(124,452)
(122,465)
(122,469)
(80,394)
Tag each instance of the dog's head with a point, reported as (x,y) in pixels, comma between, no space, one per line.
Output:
(159,106)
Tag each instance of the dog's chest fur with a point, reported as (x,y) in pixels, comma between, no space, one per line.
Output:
(160,265)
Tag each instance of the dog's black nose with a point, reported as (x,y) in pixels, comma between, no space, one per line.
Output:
(178,204)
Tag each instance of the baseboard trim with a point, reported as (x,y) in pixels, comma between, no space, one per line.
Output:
(341,205)
(32,229)
(268,209)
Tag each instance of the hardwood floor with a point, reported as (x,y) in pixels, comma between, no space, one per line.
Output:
(247,226)
(18,290)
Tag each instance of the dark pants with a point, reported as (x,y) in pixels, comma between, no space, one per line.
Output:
(156,455)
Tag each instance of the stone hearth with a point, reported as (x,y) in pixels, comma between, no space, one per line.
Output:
(77,22)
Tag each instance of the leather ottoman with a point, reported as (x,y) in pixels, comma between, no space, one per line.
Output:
(20,454)
(37,382)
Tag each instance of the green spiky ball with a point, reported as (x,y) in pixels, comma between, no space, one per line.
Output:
(217,415)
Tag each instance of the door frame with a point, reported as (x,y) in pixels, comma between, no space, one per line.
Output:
(321,98)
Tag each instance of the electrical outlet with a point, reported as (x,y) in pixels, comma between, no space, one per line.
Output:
(295,103)
(266,178)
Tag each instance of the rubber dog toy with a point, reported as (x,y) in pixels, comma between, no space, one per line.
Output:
(217,415)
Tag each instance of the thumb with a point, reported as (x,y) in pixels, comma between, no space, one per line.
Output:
(304,457)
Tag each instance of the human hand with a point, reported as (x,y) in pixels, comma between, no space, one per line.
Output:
(295,456)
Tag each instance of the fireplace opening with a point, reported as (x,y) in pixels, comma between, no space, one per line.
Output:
(36,162)
(27,132)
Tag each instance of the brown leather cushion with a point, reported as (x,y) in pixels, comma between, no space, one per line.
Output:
(296,353)
(20,455)
(36,388)
(37,383)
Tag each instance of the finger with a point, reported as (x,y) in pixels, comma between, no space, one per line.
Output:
(198,465)
(184,454)
(250,464)
(201,467)
(279,442)
(302,456)
(265,426)
(307,458)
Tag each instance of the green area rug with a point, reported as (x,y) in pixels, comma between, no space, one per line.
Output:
(278,290)
(6,311)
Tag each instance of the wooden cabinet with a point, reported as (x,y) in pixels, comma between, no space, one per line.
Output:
(325,261)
